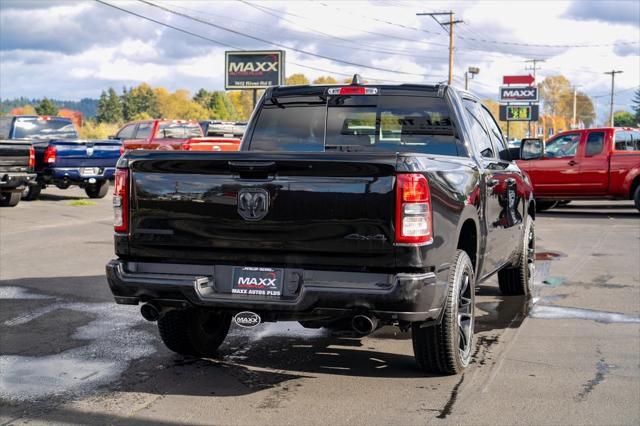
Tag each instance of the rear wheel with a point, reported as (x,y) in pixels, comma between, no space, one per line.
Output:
(446,348)
(31,192)
(98,190)
(9,199)
(195,332)
(518,280)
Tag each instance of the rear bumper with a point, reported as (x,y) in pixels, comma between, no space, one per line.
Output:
(306,294)
(15,181)
(76,175)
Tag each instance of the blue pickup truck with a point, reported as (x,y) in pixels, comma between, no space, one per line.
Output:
(61,158)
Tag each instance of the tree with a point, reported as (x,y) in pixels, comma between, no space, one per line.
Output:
(203,97)
(296,79)
(242,101)
(636,107)
(109,108)
(178,105)
(139,100)
(46,107)
(325,79)
(624,119)
(557,94)
(23,110)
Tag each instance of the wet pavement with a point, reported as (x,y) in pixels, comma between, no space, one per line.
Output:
(570,355)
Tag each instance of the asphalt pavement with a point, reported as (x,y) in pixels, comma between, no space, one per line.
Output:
(68,354)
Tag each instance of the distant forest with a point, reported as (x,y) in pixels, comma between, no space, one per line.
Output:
(86,106)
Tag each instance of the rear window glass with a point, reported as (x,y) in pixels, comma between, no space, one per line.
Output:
(356,123)
(172,130)
(36,128)
(595,143)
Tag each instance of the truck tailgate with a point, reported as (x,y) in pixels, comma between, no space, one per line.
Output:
(14,156)
(321,208)
(88,153)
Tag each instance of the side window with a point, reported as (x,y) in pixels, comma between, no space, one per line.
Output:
(564,146)
(126,132)
(144,130)
(496,135)
(635,140)
(5,127)
(623,141)
(595,143)
(480,135)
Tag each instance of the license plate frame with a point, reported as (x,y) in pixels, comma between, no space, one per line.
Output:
(89,171)
(257,281)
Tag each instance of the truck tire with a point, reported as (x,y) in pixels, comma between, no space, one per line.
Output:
(10,199)
(542,205)
(99,190)
(518,280)
(636,197)
(32,192)
(446,348)
(194,332)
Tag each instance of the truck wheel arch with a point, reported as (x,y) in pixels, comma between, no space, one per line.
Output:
(468,233)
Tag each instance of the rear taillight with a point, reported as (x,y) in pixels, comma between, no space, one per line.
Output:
(414,218)
(121,150)
(32,158)
(50,155)
(121,201)
(186,146)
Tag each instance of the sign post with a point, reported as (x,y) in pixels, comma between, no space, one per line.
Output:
(253,70)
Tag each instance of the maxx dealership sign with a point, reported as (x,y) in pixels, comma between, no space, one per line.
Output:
(254,70)
(518,94)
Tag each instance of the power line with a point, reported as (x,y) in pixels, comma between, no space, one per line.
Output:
(232,46)
(284,46)
(483,39)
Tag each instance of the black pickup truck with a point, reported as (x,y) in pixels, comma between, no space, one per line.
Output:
(347,207)
(17,160)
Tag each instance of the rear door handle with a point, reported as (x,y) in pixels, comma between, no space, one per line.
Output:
(510,181)
(572,163)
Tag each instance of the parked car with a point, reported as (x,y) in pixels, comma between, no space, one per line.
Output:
(223,128)
(600,163)
(174,135)
(61,158)
(17,160)
(347,207)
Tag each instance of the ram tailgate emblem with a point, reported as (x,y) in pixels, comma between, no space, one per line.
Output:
(253,204)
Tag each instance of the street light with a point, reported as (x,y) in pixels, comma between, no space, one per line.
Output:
(473,71)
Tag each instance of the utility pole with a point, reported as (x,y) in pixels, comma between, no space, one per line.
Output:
(613,77)
(574,123)
(451,23)
(534,67)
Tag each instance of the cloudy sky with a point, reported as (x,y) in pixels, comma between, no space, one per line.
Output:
(71,50)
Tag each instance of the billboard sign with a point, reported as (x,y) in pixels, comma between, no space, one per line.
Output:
(519,112)
(518,94)
(253,70)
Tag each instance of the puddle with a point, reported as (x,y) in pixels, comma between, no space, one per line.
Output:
(112,342)
(561,312)
(553,281)
(549,255)
(10,292)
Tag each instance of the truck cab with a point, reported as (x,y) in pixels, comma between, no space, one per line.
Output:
(598,163)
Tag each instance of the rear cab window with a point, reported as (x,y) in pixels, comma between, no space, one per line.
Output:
(178,130)
(413,122)
(624,141)
(595,143)
(127,132)
(44,128)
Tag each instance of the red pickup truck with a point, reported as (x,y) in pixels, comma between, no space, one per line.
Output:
(177,135)
(601,163)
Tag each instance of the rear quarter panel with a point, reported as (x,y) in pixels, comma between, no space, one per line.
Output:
(624,168)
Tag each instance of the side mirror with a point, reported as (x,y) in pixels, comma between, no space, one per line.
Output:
(112,137)
(531,149)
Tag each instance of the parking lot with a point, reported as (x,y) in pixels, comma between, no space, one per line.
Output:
(70,355)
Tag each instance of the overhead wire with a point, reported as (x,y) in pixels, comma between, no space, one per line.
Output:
(223,44)
(284,46)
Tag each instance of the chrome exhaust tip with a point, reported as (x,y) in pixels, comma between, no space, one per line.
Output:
(364,324)
(150,312)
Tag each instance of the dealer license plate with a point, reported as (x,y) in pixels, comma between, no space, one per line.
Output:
(89,171)
(255,281)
